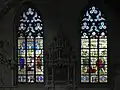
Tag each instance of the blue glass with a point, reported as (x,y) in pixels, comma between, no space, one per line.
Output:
(36,46)
(21,63)
(24,45)
(40,78)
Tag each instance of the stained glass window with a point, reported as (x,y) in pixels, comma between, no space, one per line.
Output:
(94,47)
(30,47)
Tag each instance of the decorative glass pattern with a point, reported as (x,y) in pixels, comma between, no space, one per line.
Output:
(94,47)
(30,47)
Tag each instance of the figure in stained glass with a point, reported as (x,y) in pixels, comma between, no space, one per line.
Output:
(22,63)
(39,62)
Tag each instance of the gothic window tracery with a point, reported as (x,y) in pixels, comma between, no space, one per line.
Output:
(94,47)
(30,47)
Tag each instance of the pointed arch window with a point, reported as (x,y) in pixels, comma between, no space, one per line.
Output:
(30,47)
(94,47)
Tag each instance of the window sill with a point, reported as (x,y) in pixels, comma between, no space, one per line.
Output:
(29,85)
(89,85)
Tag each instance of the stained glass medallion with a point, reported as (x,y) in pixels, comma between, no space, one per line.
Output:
(30,47)
(94,47)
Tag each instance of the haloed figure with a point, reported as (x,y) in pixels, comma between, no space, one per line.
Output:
(101,65)
(39,63)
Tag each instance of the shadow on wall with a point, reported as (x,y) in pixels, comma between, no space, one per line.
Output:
(6,63)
